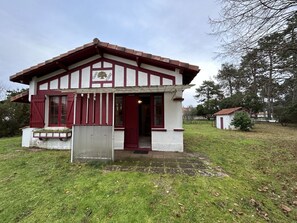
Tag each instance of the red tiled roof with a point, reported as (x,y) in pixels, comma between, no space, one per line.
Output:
(97,47)
(228,111)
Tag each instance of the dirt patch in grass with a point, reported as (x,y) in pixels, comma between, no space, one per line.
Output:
(35,150)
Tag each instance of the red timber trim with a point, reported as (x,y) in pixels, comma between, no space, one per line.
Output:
(84,109)
(59,82)
(97,110)
(103,109)
(178,99)
(159,130)
(119,129)
(178,130)
(90,109)
(136,78)
(153,113)
(123,111)
(70,110)
(125,76)
(110,108)
(69,81)
(113,62)
(91,71)
(94,109)
(78,109)
(105,68)
(79,78)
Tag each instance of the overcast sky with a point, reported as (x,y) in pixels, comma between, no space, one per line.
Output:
(33,31)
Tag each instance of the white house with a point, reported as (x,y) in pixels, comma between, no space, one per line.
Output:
(224,117)
(101,97)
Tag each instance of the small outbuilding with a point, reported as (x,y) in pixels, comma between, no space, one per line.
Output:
(224,117)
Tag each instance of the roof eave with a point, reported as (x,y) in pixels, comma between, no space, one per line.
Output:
(96,47)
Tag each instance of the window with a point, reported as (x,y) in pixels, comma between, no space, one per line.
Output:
(158,111)
(57,110)
(119,114)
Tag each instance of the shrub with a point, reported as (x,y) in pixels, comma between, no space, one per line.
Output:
(242,121)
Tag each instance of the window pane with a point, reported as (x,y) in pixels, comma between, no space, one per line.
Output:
(119,120)
(63,109)
(54,110)
(158,110)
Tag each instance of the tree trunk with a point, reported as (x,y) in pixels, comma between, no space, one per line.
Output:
(269,88)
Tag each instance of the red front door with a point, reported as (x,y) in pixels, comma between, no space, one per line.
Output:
(222,123)
(131,122)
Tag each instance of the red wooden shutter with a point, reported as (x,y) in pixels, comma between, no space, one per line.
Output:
(70,110)
(37,111)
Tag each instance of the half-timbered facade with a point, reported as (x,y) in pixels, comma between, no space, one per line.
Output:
(101,97)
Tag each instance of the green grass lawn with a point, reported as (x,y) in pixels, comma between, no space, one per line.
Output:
(262,184)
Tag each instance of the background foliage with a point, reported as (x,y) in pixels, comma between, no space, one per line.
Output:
(13,116)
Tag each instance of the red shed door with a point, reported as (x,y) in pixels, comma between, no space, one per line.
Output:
(131,122)
(222,122)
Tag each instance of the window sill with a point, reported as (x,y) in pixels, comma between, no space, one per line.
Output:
(45,134)
(159,130)
(178,130)
(119,129)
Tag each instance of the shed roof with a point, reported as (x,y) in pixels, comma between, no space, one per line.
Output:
(96,47)
(21,97)
(228,111)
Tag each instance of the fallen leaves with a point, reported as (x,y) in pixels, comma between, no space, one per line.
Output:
(285,208)
(263,189)
(259,209)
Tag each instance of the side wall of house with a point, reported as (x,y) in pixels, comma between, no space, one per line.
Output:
(171,139)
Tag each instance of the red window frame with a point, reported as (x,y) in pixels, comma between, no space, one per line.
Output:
(154,110)
(60,116)
(119,107)
(153,99)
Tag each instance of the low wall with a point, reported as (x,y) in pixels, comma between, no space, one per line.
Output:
(91,143)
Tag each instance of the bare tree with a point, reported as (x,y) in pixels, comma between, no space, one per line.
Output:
(3,92)
(244,22)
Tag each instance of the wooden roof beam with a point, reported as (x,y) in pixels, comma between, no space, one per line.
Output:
(62,66)
(138,61)
(99,51)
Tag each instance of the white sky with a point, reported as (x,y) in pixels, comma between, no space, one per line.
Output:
(33,31)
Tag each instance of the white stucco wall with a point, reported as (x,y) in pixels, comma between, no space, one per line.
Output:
(227,119)
(170,140)
(32,87)
(27,136)
(167,141)
(81,77)
(118,140)
(51,144)
(29,141)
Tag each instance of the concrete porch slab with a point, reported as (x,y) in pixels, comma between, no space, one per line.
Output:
(191,164)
